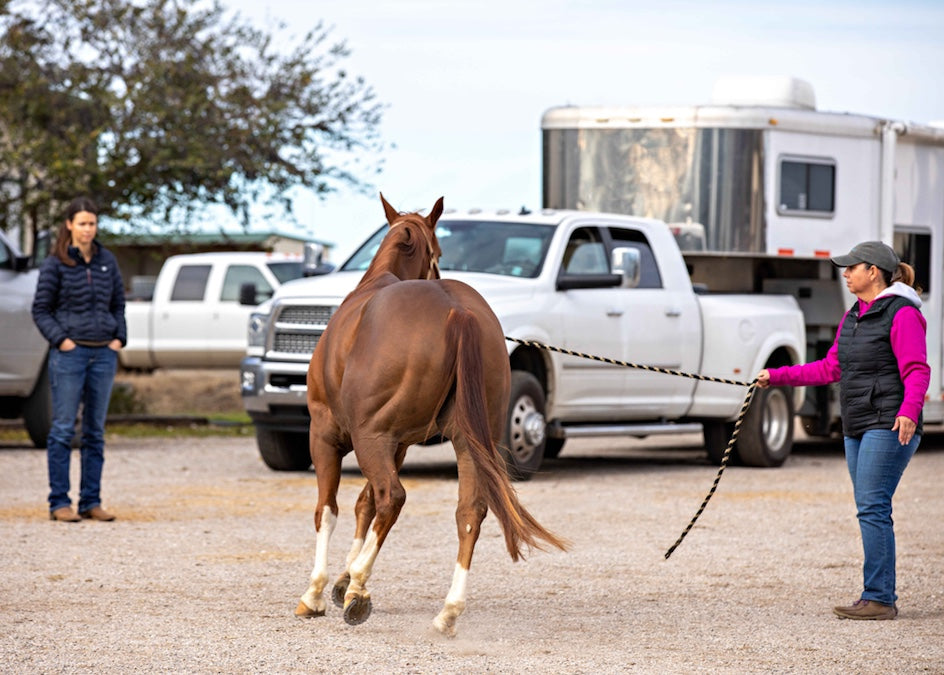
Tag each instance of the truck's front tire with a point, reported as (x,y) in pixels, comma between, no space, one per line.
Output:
(766,435)
(37,410)
(525,428)
(283,450)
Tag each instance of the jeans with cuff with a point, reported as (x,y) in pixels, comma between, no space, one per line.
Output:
(876,461)
(85,376)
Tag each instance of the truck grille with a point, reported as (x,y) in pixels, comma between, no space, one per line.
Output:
(298,328)
(315,314)
(294,343)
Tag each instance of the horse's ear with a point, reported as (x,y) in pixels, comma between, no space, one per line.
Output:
(435,213)
(389,211)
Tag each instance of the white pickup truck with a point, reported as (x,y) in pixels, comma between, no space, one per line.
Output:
(561,278)
(194,318)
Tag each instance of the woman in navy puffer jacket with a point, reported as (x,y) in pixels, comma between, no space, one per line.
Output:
(79,308)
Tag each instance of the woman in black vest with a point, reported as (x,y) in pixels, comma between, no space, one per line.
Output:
(880,359)
(79,308)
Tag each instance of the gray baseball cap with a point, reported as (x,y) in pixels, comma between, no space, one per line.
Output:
(871,252)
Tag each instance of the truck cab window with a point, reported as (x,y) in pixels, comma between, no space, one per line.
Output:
(237,275)
(191,283)
(585,253)
(649,276)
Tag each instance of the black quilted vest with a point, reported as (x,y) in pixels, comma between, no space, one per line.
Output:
(870,388)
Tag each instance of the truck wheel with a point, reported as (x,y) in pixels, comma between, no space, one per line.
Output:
(717,434)
(283,450)
(525,433)
(766,435)
(37,410)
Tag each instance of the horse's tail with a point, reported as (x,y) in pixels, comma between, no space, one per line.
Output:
(471,419)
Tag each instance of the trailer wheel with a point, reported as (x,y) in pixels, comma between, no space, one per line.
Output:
(37,410)
(283,450)
(766,435)
(525,430)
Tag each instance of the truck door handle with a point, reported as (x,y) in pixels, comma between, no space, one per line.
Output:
(614,311)
(673,311)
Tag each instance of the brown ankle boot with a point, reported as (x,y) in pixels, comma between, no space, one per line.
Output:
(867,610)
(64,514)
(97,513)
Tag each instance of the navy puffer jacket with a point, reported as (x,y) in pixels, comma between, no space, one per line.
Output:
(85,302)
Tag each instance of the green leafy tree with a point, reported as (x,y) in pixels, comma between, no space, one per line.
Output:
(157,108)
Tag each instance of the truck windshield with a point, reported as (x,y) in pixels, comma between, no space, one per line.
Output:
(491,247)
(287,270)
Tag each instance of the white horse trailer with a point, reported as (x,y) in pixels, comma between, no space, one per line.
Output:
(761,189)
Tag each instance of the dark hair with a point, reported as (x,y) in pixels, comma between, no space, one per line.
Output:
(905,274)
(64,236)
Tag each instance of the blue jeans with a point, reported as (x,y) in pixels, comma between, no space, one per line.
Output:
(876,461)
(84,376)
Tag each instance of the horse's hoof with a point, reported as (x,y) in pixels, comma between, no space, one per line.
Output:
(339,590)
(303,611)
(357,611)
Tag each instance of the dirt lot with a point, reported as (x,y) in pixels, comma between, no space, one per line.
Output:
(179,392)
(211,551)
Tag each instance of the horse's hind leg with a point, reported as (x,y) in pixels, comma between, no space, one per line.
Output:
(380,467)
(327,463)
(364,511)
(470,512)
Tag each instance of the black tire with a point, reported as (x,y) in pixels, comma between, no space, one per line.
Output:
(717,434)
(37,410)
(553,447)
(766,436)
(525,429)
(283,450)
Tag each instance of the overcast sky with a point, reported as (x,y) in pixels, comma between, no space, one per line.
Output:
(467,81)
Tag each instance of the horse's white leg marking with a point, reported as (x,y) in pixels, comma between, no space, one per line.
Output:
(445,622)
(314,596)
(356,547)
(361,567)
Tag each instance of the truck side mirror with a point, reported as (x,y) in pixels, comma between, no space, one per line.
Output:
(313,262)
(625,261)
(247,294)
(41,248)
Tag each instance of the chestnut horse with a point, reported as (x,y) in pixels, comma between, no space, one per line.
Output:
(407,356)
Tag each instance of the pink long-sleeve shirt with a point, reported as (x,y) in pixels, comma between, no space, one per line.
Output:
(908,341)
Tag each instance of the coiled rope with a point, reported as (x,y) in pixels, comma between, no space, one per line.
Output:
(751,388)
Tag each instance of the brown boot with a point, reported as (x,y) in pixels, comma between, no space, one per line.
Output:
(64,514)
(867,610)
(97,513)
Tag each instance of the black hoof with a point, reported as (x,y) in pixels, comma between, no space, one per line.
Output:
(357,612)
(340,588)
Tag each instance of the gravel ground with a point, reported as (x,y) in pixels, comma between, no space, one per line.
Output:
(203,568)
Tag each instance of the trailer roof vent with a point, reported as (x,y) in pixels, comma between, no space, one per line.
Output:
(779,92)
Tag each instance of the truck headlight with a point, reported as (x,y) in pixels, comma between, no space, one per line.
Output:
(257,328)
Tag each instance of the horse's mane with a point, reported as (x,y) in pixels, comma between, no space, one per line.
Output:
(403,242)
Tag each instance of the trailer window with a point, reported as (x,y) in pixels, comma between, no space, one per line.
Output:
(807,187)
(914,248)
